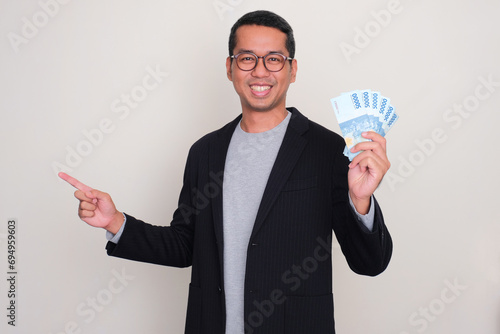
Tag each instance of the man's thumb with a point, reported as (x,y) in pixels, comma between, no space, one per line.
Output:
(96,195)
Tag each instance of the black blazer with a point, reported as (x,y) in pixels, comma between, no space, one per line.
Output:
(288,282)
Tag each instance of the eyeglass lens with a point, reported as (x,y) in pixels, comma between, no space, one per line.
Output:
(248,61)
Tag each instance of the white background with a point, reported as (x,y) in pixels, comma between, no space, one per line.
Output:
(440,200)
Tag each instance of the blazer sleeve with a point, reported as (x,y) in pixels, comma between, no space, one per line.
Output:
(367,253)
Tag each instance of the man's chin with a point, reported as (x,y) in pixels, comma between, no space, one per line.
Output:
(255,107)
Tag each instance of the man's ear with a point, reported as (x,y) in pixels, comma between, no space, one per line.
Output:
(229,72)
(294,71)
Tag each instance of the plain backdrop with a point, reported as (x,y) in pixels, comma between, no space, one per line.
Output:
(77,94)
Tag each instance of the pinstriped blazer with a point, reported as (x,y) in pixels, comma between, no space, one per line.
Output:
(288,278)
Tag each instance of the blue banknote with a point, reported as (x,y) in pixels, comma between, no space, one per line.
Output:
(362,110)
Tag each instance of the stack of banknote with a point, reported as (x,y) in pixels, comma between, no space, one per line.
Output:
(362,110)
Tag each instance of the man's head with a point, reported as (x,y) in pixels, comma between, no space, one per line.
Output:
(266,19)
(262,45)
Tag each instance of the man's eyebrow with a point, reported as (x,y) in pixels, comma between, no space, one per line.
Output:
(244,50)
(252,51)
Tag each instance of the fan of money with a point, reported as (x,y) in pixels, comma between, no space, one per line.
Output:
(362,110)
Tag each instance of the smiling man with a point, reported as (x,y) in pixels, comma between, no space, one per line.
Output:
(261,85)
(260,199)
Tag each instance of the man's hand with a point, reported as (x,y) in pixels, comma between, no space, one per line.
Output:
(96,208)
(367,169)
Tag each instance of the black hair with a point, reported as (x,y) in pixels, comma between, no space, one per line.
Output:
(267,19)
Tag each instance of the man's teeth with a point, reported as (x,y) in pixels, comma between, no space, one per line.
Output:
(260,88)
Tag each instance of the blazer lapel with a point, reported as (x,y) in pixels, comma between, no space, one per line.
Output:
(288,155)
(217,159)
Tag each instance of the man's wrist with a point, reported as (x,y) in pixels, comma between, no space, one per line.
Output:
(362,205)
(116,223)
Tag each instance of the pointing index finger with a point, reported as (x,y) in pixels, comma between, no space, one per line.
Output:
(74,182)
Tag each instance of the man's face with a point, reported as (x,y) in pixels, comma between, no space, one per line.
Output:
(259,89)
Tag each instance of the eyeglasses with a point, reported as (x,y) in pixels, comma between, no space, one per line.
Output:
(273,62)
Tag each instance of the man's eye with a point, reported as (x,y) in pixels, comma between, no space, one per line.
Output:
(274,60)
(248,59)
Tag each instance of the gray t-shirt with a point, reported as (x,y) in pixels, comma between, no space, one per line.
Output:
(250,158)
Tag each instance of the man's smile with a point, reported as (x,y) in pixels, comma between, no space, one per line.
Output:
(260,88)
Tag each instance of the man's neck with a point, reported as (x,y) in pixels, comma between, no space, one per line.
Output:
(260,121)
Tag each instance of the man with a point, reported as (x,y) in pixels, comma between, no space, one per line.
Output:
(259,201)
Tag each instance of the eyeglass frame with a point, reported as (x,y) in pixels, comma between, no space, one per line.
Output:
(235,57)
